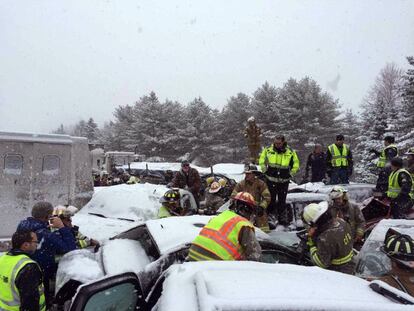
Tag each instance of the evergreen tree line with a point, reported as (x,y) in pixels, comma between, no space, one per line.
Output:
(300,110)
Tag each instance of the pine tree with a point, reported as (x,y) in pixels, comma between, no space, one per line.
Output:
(265,105)
(407,140)
(59,130)
(91,130)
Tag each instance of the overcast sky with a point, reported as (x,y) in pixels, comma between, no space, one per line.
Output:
(62,61)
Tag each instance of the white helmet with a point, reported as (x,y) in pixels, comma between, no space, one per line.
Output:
(313,211)
(337,192)
(65,211)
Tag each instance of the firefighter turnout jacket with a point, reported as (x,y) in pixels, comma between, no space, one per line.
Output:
(332,247)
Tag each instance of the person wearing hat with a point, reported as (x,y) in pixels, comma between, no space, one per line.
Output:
(258,189)
(174,204)
(214,198)
(400,249)
(389,152)
(399,189)
(342,207)
(339,161)
(329,239)
(188,178)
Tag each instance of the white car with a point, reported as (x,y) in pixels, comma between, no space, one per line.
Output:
(234,286)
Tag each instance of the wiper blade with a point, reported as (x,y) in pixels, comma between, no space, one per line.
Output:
(103,216)
(99,215)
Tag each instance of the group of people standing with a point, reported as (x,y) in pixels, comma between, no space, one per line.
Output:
(28,269)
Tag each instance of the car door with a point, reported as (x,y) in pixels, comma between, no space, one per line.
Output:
(116,293)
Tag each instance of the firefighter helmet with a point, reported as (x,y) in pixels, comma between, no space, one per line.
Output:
(313,212)
(215,187)
(171,195)
(209,180)
(399,246)
(222,182)
(337,192)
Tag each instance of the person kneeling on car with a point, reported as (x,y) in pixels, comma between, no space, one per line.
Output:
(171,205)
(329,239)
(230,235)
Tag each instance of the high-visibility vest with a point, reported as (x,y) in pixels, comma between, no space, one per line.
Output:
(164,212)
(394,187)
(10,266)
(382,159)
(270,158)
(339,159)
(221,237)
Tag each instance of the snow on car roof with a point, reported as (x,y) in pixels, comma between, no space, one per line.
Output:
(258,286)
(171,232)
(137,201)
(231,170)
(403,226)
(306,197)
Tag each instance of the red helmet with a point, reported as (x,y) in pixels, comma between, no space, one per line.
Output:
(247,198)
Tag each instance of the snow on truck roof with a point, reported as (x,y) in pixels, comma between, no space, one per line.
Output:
(40,138)
(259,286)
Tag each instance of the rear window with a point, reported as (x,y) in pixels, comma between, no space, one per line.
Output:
(13,164)
(51,165)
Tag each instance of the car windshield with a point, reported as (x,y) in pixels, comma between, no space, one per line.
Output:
(373,262)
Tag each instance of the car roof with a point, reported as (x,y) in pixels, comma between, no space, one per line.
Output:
(403,226)
(171,232)
(259,286)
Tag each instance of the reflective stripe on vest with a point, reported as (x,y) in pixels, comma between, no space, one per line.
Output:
(221,237)
(339,159)
(10,266)
(394,188)
(382,159)
(334,262)
(278,160)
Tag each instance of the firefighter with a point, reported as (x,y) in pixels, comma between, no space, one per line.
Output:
(65,213)
(21,280)
(258,189)
(389,152)
(173,204)
(279,163)
(349,211)
(400,249)
(214,199)
(399,189)
(339,162)
(329,239)
(188,178)
(230,235)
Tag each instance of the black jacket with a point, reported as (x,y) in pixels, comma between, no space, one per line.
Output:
(317,165)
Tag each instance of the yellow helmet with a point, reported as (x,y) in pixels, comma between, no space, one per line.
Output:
(209,180)
(222,182)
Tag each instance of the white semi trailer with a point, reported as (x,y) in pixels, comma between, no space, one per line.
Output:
(54,168)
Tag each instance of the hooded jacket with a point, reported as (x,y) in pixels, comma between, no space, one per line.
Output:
(60,241)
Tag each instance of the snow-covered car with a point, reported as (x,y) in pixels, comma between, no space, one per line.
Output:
(371,261)
(150,248)
(210,286)
(357,192)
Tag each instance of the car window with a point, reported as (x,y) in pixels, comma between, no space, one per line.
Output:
(372,261)
(119,297)
(272,256)
(119,292)
(51,164)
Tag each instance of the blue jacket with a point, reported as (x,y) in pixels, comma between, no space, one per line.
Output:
(50,243)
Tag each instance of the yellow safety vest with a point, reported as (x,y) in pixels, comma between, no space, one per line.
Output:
(10,266)
(394,187)
(221,237)
(270,158)
(339,159)
(382,159)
